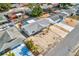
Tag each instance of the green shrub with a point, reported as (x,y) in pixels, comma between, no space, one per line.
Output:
(37,11)
(10,53)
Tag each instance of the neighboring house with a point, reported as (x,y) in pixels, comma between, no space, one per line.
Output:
(56,18)
(14,5)
(47,7)
(32,28)
(62,15)
(76,9)
(17,14)
(44,6)
(10,39)
(45,22)
(28,11)
(69,12)
(35,27)
(17,10)
(25,22)
(3,19)
(76,6)
(77,12)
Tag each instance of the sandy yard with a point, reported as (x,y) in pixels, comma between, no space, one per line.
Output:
(59,30)
(75,17)
(48,38)
(71,22)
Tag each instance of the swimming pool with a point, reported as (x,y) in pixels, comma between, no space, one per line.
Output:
(22,50)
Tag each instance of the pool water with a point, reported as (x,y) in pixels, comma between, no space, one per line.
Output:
(22,50)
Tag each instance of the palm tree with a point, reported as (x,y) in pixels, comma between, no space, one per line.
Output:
(34,48)
(29,44)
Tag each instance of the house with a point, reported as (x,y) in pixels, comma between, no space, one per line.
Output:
(56,18)
(62,15)
(76,9)
(77,12)
(28,11)
(32,28)
(36,26)
(14,5)
(76,6)
(44,6)
(18,15)
(47,7)
(45,22)
(68,12)
(9,39)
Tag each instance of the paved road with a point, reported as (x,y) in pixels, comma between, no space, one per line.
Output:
(63,48)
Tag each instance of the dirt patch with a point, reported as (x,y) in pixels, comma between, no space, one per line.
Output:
(71,22)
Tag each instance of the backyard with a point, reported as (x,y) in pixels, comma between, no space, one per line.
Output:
(46,39)
(75,17)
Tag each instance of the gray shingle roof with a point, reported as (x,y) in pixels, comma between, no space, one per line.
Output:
(10,38)
(31,28)
(4,39)
(44,23)
(35,27)
(3,18)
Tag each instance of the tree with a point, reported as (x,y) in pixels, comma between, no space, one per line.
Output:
(31,46)
(30,5)
(37,11)
(34,48)
(10,53)
(4,7)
